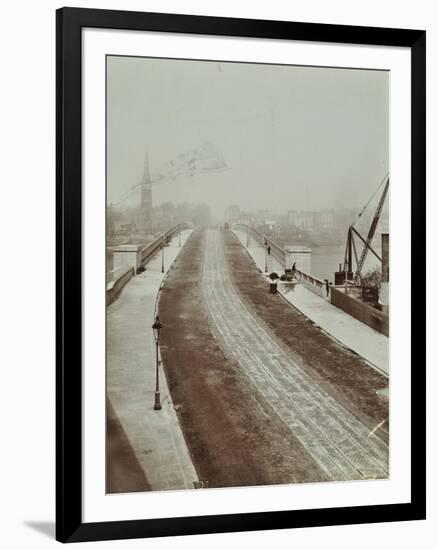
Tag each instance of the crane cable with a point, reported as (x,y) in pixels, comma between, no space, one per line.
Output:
(371,198)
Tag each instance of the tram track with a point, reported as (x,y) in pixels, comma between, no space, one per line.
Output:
(336,439)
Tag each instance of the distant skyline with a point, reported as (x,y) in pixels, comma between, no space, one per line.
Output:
(293,138)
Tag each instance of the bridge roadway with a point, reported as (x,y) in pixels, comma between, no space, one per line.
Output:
(364,340)
(340,444)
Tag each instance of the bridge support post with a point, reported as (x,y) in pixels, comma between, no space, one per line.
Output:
(127,255)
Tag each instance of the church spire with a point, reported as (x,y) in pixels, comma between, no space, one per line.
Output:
(146,187)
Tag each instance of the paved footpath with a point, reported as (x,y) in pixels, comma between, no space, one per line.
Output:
(337,440)
(357,336)
(155,436)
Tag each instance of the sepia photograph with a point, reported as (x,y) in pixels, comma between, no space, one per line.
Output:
(247,274)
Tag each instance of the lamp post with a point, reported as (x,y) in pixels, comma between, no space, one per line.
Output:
(265,249)
(179,239)
(156,328)
(162,257)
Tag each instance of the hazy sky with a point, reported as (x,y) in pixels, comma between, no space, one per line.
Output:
(292,137)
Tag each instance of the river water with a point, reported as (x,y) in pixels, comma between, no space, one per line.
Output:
(325,260)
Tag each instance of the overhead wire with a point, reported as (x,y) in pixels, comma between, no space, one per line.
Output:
(371,198)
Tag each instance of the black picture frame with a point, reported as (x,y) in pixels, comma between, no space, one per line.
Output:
(69,23)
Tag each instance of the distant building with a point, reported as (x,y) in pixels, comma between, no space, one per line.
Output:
(301,220)
(293,216)
(324,219)
(310,220)
(246,217)
(232,214)
(124,228)
(262,216)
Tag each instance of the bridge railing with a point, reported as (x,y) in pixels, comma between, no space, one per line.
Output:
(148,251)
(313,283)
(365,313)
(318,286)
(277,251)
(114,288)
(130,259)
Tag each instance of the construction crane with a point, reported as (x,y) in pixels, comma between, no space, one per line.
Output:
(367,242)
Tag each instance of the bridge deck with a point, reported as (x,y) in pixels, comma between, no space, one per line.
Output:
(336,439)
(155,437)
(245,372)
(364,340)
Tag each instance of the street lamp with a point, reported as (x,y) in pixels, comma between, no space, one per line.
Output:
(156,328)
(266,269)
(162,257)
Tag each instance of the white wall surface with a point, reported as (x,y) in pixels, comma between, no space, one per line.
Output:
(27,225)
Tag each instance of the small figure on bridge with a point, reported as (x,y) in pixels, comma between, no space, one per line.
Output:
(293,270)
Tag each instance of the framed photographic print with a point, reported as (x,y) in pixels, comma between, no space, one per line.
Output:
(240,219)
